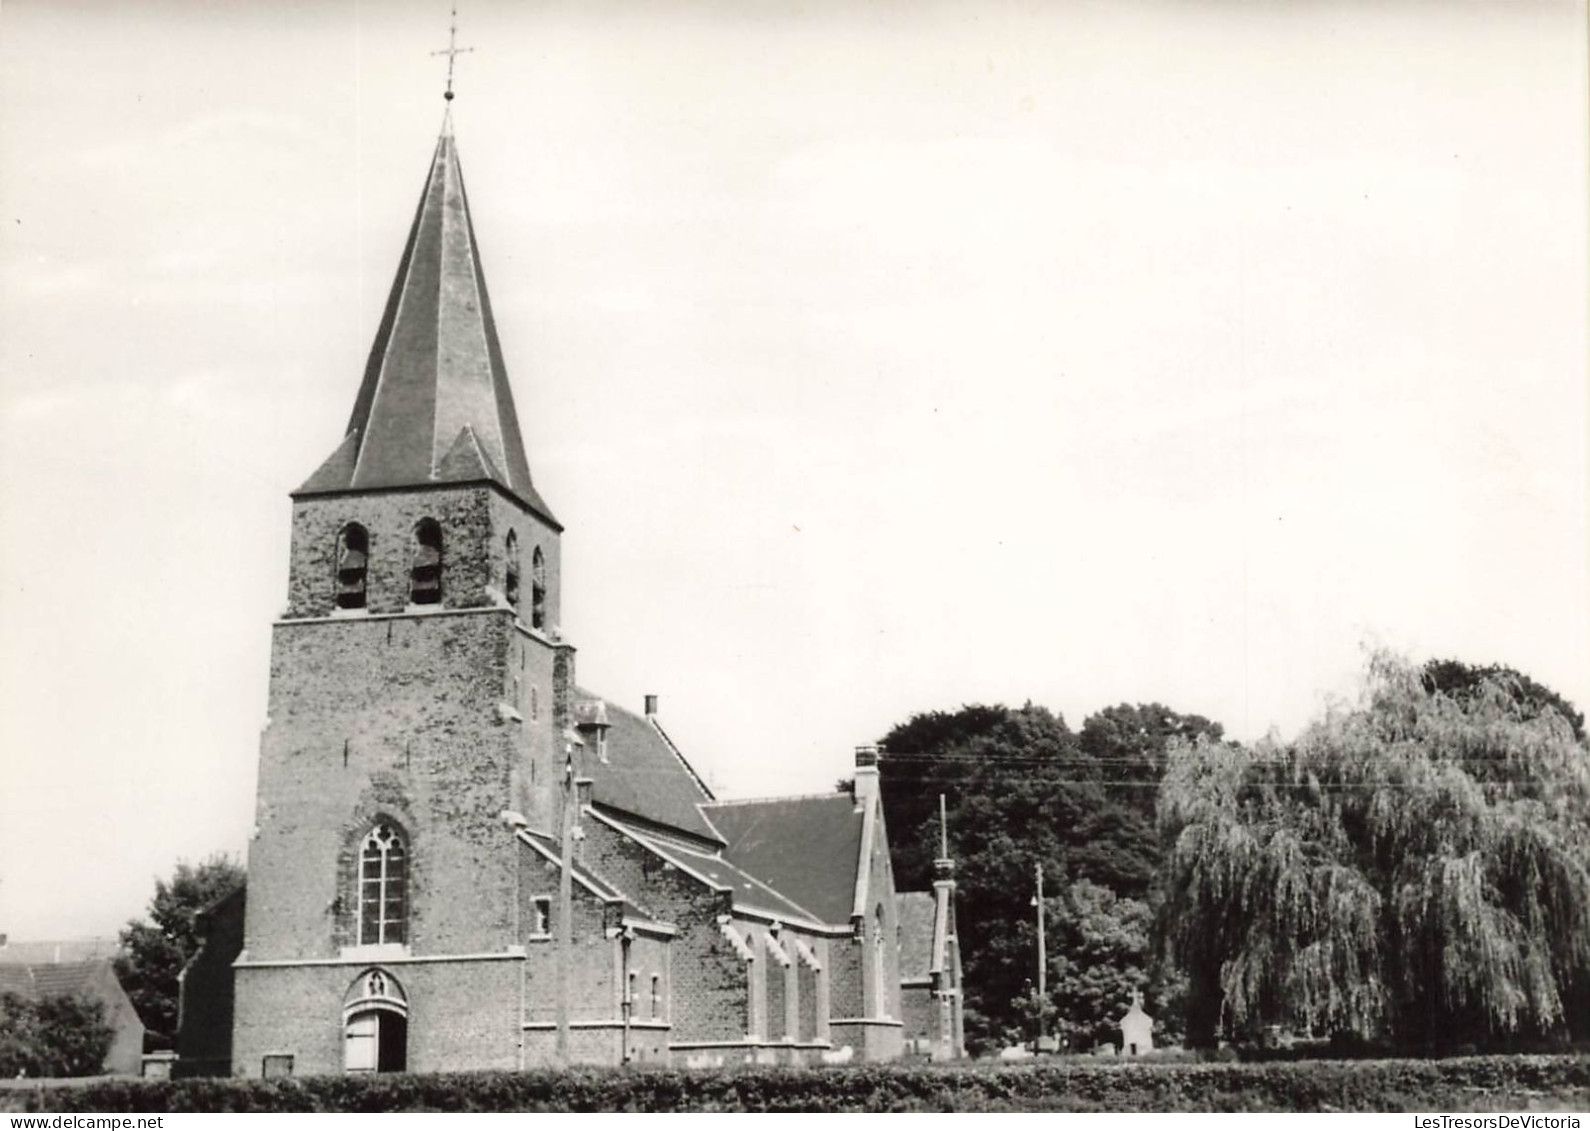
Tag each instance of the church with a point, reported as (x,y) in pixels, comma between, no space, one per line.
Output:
(465,859)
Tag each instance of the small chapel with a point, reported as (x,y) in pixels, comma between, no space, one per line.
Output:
(463,858)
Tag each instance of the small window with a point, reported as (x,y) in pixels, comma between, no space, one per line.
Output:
(425,576)
(353,560)
(538,590)
(541,916)
(535,704)
(656,996)
(383,887)
(629,991)
(510,585)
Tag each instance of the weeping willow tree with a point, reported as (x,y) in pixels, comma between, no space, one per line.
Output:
(1414,867)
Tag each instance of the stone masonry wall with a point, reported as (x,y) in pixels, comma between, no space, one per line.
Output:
(396,719)
(475,522)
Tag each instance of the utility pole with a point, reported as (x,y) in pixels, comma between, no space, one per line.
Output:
(1043,962)
(566,907)
(944,831)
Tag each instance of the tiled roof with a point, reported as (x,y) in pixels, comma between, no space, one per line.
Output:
(57,980)
(54,979)
(917,912)
(645,775)
(808,848)
(434,405)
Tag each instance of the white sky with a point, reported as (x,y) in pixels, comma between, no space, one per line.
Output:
(879,357)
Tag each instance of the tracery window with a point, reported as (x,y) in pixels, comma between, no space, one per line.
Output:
(353,561)
(383,887)
(425,575)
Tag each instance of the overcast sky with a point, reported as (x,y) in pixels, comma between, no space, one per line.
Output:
(879,358)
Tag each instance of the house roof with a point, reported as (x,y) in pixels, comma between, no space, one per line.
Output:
(65,978)
(434,405)
(917,915)
(645,775)
(37,980)
(16,978)
(809,848)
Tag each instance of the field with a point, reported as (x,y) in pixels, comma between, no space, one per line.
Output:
(1464,1084)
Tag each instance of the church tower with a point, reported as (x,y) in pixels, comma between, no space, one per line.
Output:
(419,699)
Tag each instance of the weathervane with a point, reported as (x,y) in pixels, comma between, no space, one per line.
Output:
(452,52)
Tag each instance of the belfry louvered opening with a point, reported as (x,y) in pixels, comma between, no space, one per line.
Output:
(353,562)
(425,575)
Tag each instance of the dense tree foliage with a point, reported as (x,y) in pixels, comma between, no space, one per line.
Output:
(1023,789)
(155,951)
(1460,680)
(54,1036)
(1413,867)
(1130,742)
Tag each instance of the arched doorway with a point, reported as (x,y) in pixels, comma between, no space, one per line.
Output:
(375,1025)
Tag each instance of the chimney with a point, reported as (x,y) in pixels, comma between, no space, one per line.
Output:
(651,706)
(866,787)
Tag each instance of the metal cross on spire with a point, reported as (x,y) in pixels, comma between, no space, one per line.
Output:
(452,52)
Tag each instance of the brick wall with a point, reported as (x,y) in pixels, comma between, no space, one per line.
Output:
(708,978)
(385,719)
(920,1012)
(593,990)
(462,1015)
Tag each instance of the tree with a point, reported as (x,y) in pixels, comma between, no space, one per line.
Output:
(1411,868)
(1103,955)
(1017,796)
(1022,791)
(155,951)
(1453,677)
(1130,742)
(54,1036)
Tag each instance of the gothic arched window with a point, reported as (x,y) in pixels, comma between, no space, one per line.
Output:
(425,575)
(383,887)
(510,586)
(353,561)
(538,590)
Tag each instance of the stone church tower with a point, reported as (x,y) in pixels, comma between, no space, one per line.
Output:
(418,686)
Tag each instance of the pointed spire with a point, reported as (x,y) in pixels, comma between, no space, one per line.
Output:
(434,405)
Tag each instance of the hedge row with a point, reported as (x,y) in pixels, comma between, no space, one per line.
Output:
(1469,1083)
